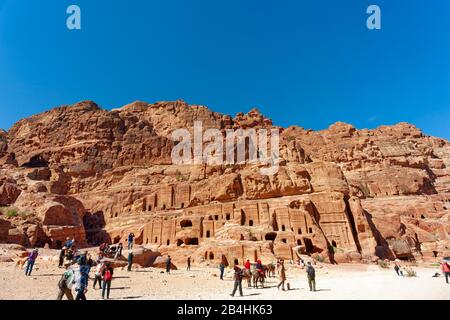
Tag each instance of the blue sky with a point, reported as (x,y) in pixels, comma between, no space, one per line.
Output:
(309,63)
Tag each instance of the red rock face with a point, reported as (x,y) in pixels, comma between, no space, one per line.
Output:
(341,193)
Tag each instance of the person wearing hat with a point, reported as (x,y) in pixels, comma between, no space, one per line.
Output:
(30,261)
(259,267)
(247,264)
(445,269)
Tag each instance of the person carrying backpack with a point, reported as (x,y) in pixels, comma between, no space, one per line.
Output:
(30,261)
(237,280)
(107,278)
(65,285)
(311,272)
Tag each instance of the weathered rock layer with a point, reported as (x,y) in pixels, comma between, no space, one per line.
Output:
(341,193)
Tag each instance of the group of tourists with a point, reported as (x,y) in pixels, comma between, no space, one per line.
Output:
(77,275)
(239,273)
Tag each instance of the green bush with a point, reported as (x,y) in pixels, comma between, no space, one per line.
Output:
(383,264)
(409,272)
(11,213)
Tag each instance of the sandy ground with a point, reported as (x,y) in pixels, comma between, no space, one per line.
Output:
(348,281)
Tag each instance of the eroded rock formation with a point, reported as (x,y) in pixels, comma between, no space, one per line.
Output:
(341,193)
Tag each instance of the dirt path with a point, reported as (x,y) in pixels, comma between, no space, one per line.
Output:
(333,282)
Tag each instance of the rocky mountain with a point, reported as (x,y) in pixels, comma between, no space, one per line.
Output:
(340,194)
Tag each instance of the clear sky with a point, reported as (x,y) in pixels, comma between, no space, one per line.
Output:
(309,63)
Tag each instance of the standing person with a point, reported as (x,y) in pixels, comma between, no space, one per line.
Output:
(130,260)
(311,272)
(130,240)
(282,274)
(30,261)
(188,263)
(445,270)
(222,270)
(107,278)
(168,264)
(98,274)
(65,284)
(69,243)
(81,285)
(237,280)
(62,254)
(119,251)
(398,269)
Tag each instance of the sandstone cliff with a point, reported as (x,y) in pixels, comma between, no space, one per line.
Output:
(341,193)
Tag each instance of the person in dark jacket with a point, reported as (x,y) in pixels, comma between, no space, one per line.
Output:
(107,278)
(62,254)
(398,269)
(311,273)
(168,264)
(188,263)
(130,241)
(237,280)
(130,260)
(30,261)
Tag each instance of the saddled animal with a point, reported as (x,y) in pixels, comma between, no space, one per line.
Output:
(247,275)
(253,277)
(269,270)
(258,277)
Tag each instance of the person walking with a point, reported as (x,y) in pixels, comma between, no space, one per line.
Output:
(62,254)
(65,284)
(30,261)
(398,269)
(222,270)
(282,275)
(81,287)
(130,241)
(237,281)
(107,278)
(168,264)
(311,273)
(188,264)
(445,269)
(98,274)
(130,260)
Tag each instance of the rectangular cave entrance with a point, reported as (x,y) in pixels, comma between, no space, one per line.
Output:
(308,245)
